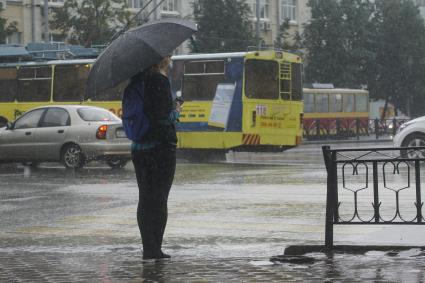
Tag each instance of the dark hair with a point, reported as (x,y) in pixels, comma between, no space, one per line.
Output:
(148,71)
(139,76)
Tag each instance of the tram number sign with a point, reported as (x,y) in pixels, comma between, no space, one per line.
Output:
(261,110)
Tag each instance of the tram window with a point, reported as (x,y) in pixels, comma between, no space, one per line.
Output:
(201,78)
(194,68)
(215,67)
(8,85)
(70,82)
(308,102)
(335,102)
(261,79)
(296,81)
(111,94)
(200,87)
(361,103)
(204,67)
(34,83)
(322,103)
(348,103)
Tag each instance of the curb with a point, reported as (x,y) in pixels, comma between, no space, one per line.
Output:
(298,250)
(345,141)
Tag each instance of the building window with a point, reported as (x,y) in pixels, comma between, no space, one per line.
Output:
(420,3)
(56,3)
(421,7)
(134,4)
(264,8)
(54,37)
(14,38)
(170,6)
(288,10)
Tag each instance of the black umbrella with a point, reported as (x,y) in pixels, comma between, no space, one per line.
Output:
(136,50)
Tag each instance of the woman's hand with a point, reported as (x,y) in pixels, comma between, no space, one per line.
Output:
(178,107)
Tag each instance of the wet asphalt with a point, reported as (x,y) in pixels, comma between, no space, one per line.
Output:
(225,222)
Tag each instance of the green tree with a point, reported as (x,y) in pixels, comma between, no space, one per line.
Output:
(337,39)
(357,37)
(224,25)
(396,74)
(285,40)
(89,22)
(323,41)
(380,44)
(6,28)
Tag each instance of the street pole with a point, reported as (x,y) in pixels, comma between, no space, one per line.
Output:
(32,20)
(46,21)
(257,25)
(155,15)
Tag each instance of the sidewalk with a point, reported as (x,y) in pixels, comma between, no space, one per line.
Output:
(127,266)
(361,139)
(124,265)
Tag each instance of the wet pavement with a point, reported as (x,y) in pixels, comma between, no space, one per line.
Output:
(225,222)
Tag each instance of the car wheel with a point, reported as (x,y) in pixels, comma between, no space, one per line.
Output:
(3,122)
(416,139)
(72,157)
(116,163)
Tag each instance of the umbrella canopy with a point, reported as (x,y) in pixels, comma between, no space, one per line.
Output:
(136,50)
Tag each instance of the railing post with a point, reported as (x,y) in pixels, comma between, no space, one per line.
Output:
(376,128)
(394,126)
(318,128)
(376,203)
(338,130)
(330,196)
(358,128)
(367,127)
(418,191)
(335,187)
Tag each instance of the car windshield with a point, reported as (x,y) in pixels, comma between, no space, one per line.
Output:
(95,114)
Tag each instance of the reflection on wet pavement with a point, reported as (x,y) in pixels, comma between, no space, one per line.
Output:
(226,220)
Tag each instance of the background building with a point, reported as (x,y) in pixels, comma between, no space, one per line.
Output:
(28,14)
(28,18)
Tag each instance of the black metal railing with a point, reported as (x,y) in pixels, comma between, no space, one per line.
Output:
(350,128)
(373,177)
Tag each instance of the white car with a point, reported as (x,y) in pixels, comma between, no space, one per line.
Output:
(71,134)
(411,133)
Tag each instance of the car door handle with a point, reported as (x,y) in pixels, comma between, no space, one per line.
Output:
(27,133)
(60,131)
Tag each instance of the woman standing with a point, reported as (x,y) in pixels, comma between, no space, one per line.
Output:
(154,159)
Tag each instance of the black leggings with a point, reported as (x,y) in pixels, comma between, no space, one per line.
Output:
(155,173)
